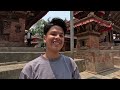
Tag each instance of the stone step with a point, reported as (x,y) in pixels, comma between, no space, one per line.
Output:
(18,56)
(11,63)
(20,49)
(11,71)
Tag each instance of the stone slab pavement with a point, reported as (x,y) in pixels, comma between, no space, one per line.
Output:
(109,74)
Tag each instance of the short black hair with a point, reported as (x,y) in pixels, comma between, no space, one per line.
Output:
(53,22)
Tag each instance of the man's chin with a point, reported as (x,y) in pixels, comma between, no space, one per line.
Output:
(56,49)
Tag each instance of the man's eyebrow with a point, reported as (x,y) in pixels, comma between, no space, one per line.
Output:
(57,32)
(61,33)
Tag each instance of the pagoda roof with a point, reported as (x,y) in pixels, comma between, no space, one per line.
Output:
(110,17)
(91,18)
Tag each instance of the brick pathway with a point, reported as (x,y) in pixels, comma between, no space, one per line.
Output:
(110,74)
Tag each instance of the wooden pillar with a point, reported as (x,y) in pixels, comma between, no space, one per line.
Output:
(115,35)
(107,37)
(111,36)
(119,36)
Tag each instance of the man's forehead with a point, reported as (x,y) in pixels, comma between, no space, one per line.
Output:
(56,26)
(56,29)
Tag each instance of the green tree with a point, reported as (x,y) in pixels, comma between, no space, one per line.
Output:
(38,29)
(33,31)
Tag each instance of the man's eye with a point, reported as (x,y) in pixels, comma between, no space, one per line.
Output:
(61,35)
(53,34)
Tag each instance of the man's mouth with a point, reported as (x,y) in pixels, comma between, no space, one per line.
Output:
(56,43)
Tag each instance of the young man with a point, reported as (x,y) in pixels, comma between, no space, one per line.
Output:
(52,64)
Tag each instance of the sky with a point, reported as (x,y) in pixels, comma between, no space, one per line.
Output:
(61,14)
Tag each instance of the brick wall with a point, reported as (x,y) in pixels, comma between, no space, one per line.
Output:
(93,42)
(16,36)
(96,60)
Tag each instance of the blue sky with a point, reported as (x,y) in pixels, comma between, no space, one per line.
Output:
(61,14)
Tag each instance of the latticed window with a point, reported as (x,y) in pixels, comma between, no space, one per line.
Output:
(1,27)
(82,43)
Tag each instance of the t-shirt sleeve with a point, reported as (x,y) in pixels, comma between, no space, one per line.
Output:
(26,73)
(75,73)
(23,76)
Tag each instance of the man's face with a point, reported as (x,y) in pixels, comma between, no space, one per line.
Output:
(54,38)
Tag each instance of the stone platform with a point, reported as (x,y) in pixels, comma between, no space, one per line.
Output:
(110,74)
(11,70)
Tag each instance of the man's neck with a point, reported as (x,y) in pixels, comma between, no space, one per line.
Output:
(51,55)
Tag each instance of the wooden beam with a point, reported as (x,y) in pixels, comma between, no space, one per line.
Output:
(117,19)
(116,28)
(114,14)
(35,19)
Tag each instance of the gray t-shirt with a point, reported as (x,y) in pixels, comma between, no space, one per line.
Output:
(40,68)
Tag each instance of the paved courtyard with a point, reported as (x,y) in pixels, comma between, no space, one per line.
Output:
(110,74)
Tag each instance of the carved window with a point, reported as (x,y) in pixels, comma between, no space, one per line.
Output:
(1,27)
(82,43)
(6,26)
(18,28)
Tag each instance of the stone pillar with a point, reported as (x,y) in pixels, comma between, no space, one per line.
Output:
(91,39)
(96,60)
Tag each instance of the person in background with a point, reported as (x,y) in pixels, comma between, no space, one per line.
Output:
(29,38)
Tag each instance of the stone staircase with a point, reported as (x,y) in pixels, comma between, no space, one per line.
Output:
(12,60)
(11,70)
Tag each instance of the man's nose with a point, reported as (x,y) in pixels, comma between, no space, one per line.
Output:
(58,36)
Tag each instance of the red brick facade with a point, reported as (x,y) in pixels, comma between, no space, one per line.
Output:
(17,36)
(12,29)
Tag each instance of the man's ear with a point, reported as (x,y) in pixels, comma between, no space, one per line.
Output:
(44,38)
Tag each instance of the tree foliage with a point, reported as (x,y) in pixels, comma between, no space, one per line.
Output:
(38,27)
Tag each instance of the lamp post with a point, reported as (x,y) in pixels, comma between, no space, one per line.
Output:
(71,34)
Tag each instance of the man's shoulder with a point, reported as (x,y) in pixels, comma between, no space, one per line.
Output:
(33,62)
(67,58)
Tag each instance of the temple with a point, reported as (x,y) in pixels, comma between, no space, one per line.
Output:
(96,34)
(104,25)
(13,25)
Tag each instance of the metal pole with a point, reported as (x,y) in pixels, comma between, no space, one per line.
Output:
(71,34)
